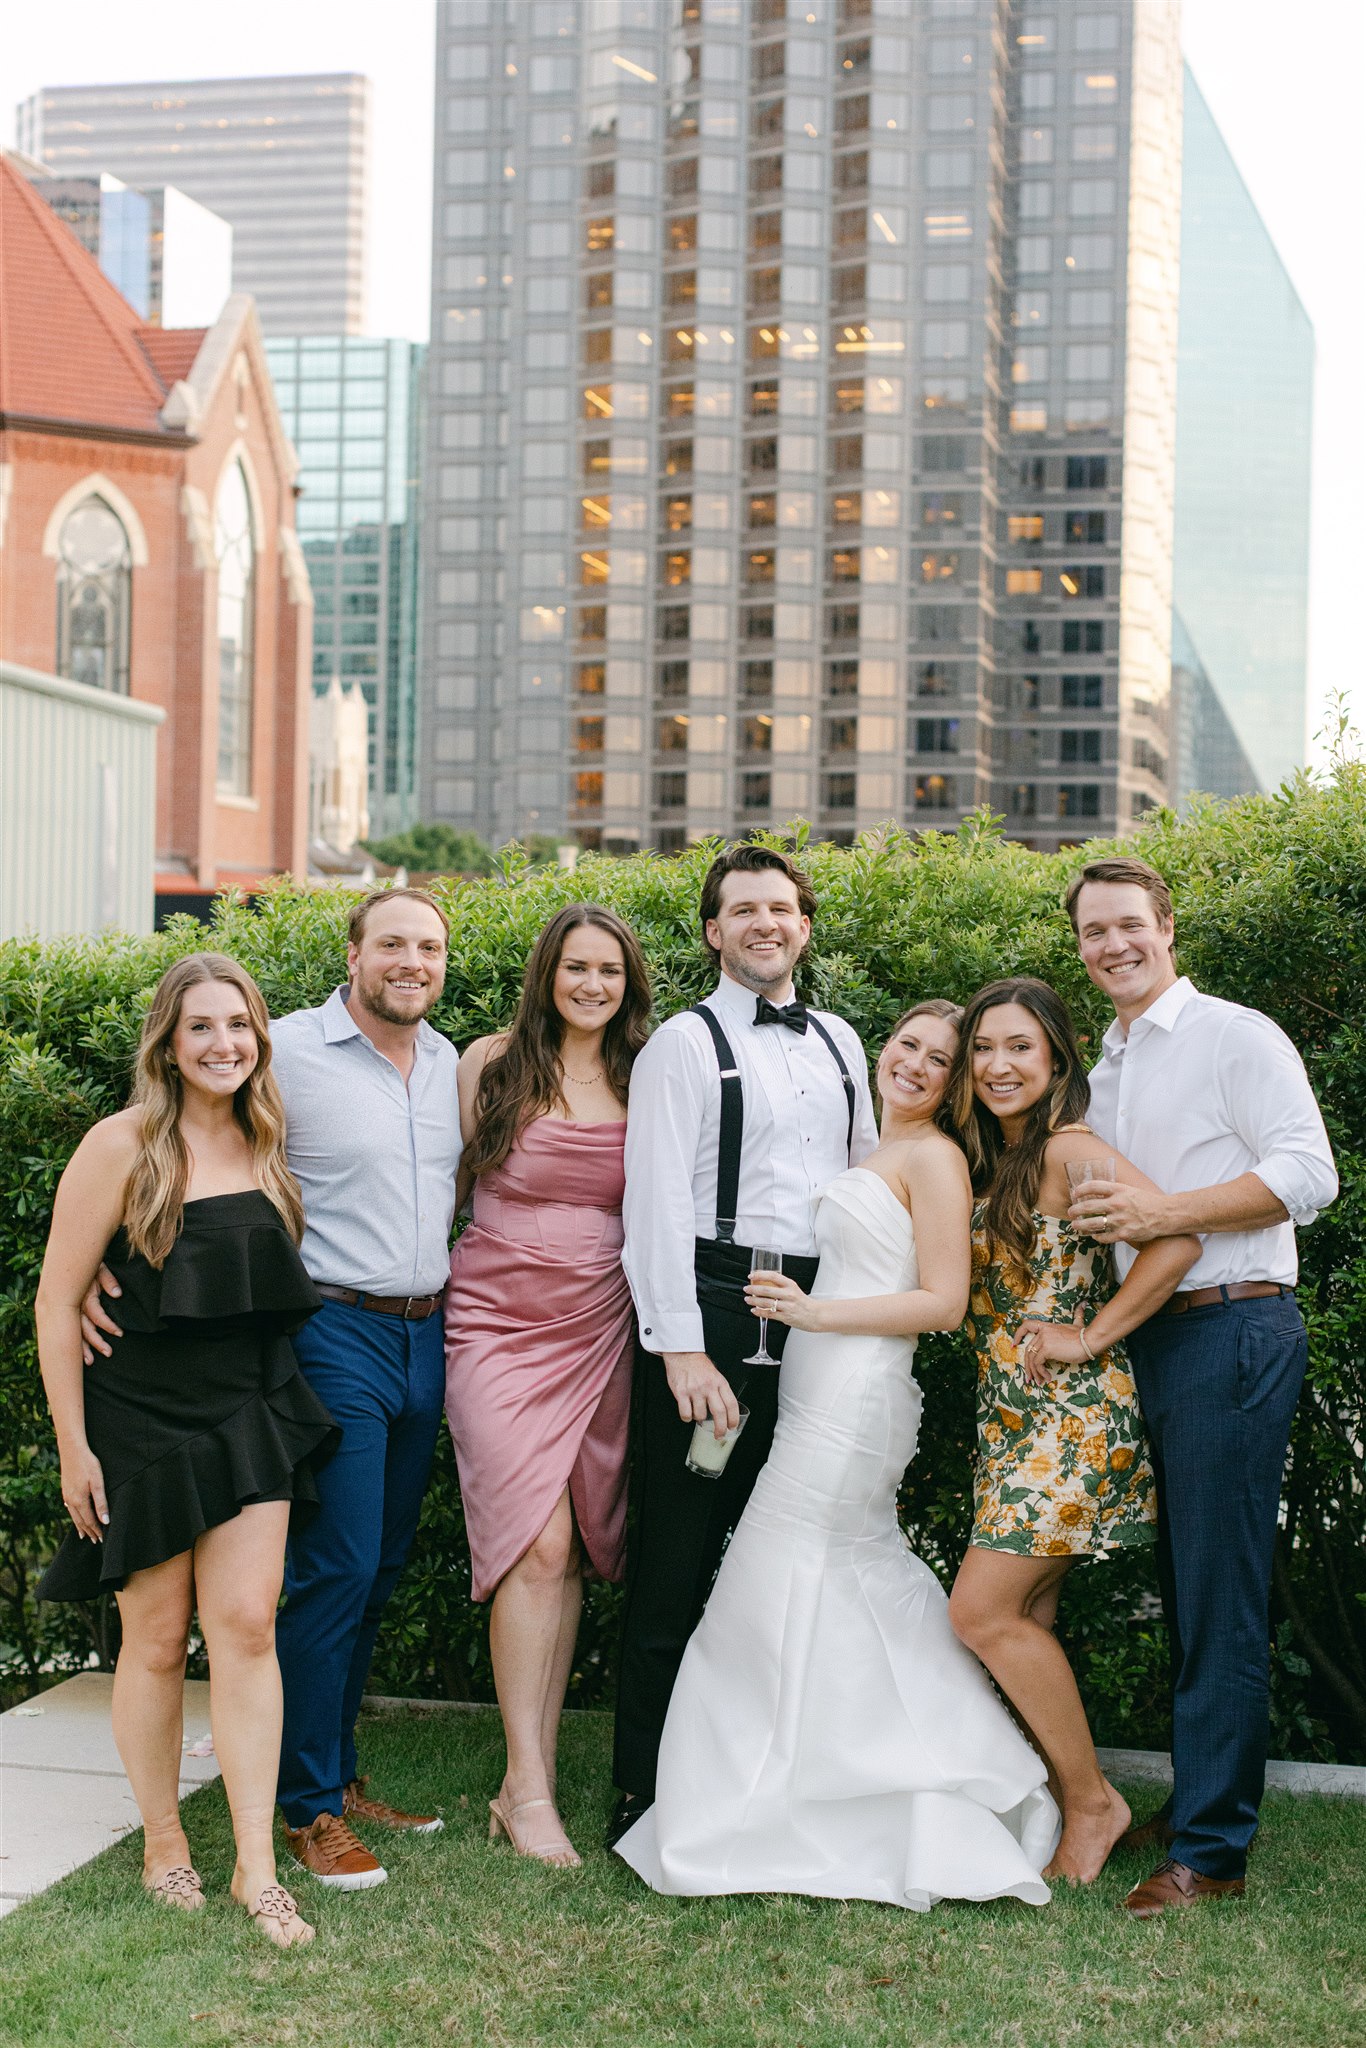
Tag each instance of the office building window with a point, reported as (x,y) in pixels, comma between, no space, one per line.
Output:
(1078,746)
(1088,472)
(840,792)
(1082,693)
(1078,799)
(934,793)
(936,736)
(94,597)
(1087,527)
(1083,636)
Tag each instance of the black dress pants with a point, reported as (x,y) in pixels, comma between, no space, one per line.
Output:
(682,1520)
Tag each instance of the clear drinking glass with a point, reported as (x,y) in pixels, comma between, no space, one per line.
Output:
(764,1262)
(1079,1171)
(707,1453)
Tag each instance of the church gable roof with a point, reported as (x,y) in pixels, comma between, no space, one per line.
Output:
(72,349)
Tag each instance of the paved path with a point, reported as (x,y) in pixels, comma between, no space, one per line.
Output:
(63,1794)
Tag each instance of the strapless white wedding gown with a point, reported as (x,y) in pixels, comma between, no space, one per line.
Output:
(828,1733)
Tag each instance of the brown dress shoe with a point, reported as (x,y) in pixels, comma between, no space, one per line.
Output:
(358,1805)
(1157,1833)
(1175,1884)
(329,1851)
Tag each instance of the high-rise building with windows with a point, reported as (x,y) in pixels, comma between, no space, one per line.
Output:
(801,413)
(1244,421)
(353,411)
(283,160)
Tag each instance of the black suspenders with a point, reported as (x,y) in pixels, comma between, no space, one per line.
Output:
(733,1116)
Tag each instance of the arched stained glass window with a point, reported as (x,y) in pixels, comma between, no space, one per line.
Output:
(236,623)
(94,597)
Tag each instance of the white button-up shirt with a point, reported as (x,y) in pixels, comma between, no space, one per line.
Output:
(375,1160)
(795,1130)
(1202,1091)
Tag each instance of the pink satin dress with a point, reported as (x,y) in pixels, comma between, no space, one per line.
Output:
(539,1339)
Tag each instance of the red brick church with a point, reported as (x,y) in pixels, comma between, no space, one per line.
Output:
(148,547)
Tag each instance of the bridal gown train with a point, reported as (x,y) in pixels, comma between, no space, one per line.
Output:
(828,1733)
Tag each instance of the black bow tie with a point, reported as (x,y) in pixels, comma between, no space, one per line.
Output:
(791,1014)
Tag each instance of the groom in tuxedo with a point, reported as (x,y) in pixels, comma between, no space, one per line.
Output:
(740,1111)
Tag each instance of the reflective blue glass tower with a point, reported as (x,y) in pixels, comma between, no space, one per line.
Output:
(1245,372)
(353,410)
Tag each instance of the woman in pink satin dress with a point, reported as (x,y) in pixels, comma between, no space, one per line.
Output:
(539,1332)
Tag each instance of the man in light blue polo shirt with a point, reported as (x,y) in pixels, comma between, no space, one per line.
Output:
(373,1138)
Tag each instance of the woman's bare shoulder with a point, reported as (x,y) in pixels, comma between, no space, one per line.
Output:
(481,1050)
(1071,1141)
(109,1150)
(929,1158)
(114,1140)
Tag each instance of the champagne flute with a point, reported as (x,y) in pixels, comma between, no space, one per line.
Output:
(764,1262)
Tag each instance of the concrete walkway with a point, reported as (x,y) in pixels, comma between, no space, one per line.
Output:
(63,1795)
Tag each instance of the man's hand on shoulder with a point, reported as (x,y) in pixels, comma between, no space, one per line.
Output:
(700,1390)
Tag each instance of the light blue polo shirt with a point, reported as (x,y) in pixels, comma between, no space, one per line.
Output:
(376,1162)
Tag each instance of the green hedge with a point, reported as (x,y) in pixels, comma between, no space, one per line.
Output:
(1271,898)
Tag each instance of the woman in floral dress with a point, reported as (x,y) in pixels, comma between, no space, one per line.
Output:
(1062,1464)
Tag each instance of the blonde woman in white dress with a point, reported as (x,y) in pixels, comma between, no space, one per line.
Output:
(828,1733)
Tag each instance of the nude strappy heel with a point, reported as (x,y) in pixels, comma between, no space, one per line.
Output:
(561,1855)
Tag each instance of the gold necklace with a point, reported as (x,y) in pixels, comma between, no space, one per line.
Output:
(589,1083)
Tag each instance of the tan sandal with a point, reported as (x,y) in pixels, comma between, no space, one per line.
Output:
(273,1910)
(180,1887)
(561,1854)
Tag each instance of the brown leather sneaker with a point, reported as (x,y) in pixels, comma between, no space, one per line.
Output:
(1175,1884)
(329,1851)
(1157,1833)
(358,1805)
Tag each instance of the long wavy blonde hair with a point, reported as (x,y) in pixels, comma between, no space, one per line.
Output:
(156,1189)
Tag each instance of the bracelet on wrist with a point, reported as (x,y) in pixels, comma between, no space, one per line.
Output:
(1085,1342)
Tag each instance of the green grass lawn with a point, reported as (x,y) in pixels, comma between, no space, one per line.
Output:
(468,1944)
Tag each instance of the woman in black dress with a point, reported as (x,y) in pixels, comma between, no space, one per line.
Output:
(182,1454)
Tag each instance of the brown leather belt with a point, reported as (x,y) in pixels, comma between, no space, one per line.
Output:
(1209,1297)
(414,1308)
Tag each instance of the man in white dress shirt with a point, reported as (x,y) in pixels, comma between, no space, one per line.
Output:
(735,1123)
(1211,1100)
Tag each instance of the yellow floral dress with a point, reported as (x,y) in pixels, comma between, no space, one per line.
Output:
(1061,1469)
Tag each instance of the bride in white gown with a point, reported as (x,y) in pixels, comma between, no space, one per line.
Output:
(828,1733)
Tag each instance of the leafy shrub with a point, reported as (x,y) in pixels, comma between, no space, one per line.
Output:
(1271,901)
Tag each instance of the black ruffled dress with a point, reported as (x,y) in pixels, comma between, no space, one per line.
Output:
(202,1409)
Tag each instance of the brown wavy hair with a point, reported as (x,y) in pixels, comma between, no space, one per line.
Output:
(523,1080)
(1009,1175)
(746,858)
(155,1200)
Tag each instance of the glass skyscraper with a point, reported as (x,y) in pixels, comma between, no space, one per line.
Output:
(801,416)
(1244,423)
(353,410)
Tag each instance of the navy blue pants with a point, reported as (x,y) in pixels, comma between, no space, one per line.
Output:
(383,1380)
(1219,1387)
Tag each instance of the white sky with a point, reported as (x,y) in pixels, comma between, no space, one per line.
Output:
(1287,86)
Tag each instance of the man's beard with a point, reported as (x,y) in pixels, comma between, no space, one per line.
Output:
(740,968)
(374,996)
